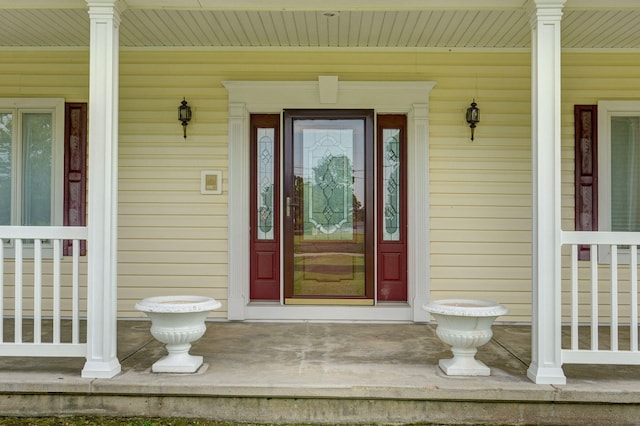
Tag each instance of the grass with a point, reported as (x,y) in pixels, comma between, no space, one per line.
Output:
(111,421)
(122,421)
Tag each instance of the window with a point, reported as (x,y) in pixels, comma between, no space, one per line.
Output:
(619,166)
(31,162)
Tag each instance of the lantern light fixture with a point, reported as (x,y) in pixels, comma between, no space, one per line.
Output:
(184,115)
(473,116)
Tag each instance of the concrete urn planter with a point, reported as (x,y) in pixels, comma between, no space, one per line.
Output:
(464,324)
(177,321)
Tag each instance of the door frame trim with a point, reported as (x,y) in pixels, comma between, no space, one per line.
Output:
(384,97)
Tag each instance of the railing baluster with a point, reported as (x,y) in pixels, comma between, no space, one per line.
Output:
(18,292)
(613,353)
(37,290)
(633,323)
(39,255)
(75,320)
(574,297)
(56,290)
(613,330)
(594,297)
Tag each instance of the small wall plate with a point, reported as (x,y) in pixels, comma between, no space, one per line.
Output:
(211,182)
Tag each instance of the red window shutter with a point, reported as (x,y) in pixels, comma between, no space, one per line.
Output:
(75,169)
(586,171)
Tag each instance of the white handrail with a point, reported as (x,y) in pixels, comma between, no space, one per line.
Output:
(597,237)
(44,232)
(595,355)
(55,235)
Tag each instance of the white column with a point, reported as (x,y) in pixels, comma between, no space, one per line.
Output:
(102,361)
(546,360)
(238,211)
(419,237)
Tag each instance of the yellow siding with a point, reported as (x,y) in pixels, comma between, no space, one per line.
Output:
(480,191)
(172,238)
(588,79)
(56,74)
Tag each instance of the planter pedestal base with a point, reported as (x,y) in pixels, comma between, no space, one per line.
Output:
(178,361)
(464,363)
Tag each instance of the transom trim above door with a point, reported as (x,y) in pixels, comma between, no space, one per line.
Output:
(269,97)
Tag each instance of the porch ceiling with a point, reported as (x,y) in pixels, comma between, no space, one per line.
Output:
(147,23)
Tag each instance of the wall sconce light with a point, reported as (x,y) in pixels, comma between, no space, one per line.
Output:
(184,115)
(473,116)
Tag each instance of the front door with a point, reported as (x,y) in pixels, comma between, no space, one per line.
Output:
(328,212)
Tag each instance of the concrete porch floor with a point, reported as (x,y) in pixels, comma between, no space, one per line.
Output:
(322,373)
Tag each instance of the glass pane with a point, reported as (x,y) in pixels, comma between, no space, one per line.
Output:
(265,177)
(329,223)
(328,184)
(6,124)
(36,169)
(625,175)
(391,182)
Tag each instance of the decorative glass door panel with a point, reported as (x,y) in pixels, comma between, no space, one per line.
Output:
(392,212)
(328,231)
(264,207)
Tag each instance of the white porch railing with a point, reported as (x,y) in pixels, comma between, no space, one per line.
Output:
(603,299)
(34,278)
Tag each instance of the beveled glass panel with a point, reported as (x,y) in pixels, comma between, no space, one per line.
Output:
(329,252)
(265,183)
(36,169)
(328,184)
(391,184)
(6,125)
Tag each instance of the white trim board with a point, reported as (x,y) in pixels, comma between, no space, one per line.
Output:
(401,97)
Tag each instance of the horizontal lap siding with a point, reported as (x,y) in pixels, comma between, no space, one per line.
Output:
(174,240)
(587,79)
(481,190)
(44,74)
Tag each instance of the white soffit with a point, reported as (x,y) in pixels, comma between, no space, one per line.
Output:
(408,24)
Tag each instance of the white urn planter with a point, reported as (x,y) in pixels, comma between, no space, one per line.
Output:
(464,324)
(177,321)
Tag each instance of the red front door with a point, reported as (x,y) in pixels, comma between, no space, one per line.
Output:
(330,248)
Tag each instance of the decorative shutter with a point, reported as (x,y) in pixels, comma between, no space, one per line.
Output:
(586,171)
(75,169)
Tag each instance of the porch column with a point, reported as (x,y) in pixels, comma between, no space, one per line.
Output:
(419,238)
(238,211)
(102,361)
(546,360)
